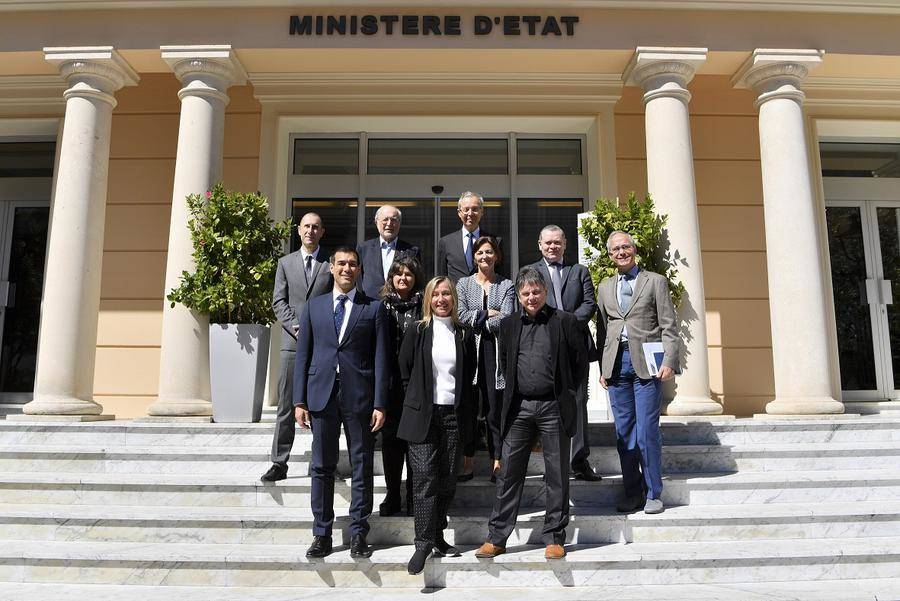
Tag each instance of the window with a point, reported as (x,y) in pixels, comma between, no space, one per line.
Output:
(535,213)
(338,218)
(27,159)
(548,157)
(845,159)
(427,156)
(326,156)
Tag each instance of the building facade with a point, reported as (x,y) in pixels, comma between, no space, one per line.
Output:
(768,132)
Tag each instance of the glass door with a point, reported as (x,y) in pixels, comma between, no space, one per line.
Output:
(865,271)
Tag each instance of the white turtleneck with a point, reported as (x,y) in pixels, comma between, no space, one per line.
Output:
(443,361)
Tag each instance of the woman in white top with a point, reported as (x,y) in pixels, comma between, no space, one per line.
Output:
(437,366)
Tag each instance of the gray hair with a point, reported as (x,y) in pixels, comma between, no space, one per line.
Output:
(470,194)
(619,233)
(530,275)
(382,207)
(551,229)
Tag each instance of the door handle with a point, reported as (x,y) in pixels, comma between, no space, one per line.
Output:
(887,293)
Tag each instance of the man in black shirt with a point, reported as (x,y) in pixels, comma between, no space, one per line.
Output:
(543,354)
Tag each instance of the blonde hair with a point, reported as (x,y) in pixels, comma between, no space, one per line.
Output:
(426,300)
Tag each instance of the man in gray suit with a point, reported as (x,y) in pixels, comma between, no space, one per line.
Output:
(636,308)
(571,290)
(300,276)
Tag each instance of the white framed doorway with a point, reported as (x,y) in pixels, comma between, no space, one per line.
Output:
(863,224)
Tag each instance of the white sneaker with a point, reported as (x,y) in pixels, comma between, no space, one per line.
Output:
(653,506)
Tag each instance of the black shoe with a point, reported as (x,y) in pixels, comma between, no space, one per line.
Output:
(359,547)
(417,562)
(409,509)
(583,471)
(465,477)
(276,472)
(389,507)
(320,547)
(629,504)
(444,549)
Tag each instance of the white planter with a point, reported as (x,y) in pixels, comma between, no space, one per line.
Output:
(238,361)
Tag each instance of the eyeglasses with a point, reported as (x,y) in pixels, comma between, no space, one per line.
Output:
(616,249)
(389,220)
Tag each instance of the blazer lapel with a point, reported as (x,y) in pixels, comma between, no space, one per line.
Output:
(564,278)
(427,375)
(639,283)
(316,268)
(458,336)
(356,308)
(553,326)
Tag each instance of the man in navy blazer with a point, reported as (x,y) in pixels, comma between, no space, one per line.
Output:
(341,378)
(377,254)
(571,290)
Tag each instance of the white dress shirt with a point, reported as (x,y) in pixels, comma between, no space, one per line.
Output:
(388,250)
(314,254)
(443,361)
(465,240)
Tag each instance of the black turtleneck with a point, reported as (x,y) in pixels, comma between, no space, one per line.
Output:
(534,373)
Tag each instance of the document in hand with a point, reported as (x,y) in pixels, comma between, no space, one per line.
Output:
(653,355)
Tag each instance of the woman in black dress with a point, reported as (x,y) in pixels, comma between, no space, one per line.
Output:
(402,297)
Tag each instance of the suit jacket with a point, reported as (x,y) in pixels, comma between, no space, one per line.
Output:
(363,355)
(372,270)
(650,318)
(569,356)
(452,257)
(292,291)
(418,379)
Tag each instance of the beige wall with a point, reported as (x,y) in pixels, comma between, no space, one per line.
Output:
(729,195)
(141,169)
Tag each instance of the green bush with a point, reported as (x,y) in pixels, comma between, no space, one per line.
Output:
(236,251)
(638,218)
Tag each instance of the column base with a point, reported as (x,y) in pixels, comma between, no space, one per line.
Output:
(61,405)
(688,406)
(804,406)
(180,408)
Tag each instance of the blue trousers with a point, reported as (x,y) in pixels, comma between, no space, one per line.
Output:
(635,407)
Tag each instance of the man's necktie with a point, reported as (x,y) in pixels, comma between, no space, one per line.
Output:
(339,315)
(556,280)
(309,269)
(470,254)
(625,292)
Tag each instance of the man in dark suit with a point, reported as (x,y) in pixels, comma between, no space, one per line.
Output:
(543,353)
(341,378)
(456,250)
(299,277)
(571,290)
(377,254)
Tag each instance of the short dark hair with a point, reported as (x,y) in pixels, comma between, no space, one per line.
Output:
(490,240)
(530,275)
(403,262)
(343,249)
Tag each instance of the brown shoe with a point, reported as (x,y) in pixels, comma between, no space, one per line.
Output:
(489,550)
(555,551)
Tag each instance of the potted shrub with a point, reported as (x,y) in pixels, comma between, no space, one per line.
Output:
(236,250)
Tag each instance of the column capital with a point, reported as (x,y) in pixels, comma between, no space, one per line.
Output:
(663,72)
(775,73)
(92,71)
(207,70)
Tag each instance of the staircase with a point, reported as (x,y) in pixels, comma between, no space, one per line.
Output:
(804,507)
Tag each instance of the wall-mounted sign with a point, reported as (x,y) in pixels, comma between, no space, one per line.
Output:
(432,25)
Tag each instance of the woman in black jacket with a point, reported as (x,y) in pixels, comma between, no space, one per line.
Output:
(437,364)
(402,297)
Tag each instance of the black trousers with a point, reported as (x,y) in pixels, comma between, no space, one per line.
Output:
(581,447)
(544,418)
(490,402)
(326,430)
(433,462)
(285,424)
(393,456)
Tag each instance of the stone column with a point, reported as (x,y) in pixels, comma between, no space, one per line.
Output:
(794,250)
(67,341)
(206,72)
(663,74)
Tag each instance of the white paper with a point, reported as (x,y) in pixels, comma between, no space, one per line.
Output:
(653,356)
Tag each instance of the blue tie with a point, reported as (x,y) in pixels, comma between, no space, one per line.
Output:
(339,315)
(470,255)
(625,293)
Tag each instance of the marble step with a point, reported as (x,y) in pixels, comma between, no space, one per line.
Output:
(468,526)
(730,432)
(248,460)
(228,490)
(823,590)
(585,565)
